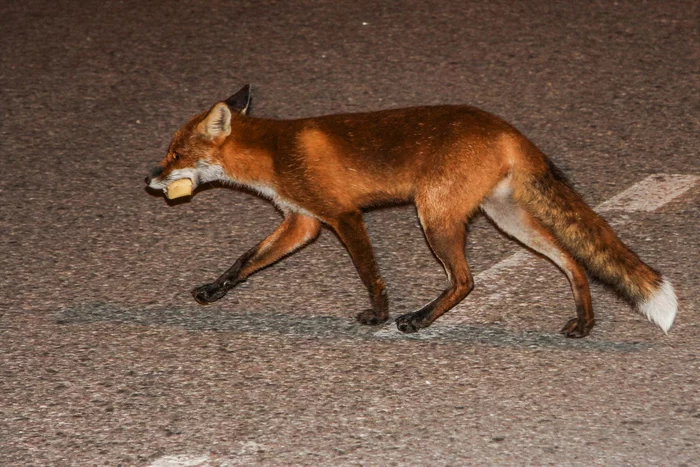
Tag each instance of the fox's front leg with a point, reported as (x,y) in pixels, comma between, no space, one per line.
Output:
(351,230)
(295,231)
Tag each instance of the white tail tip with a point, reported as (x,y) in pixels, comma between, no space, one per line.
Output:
(661,306)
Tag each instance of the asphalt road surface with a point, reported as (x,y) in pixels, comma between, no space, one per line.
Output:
(105,358)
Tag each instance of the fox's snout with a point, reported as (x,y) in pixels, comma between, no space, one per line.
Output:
(155,172)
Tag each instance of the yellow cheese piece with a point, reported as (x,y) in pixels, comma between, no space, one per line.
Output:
(179,188)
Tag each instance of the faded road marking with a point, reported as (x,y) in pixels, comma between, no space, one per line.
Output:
(247,454)
(497,269)
(181,461)
(650,194)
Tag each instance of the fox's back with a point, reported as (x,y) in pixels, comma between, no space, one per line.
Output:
(372,157)
(394,134)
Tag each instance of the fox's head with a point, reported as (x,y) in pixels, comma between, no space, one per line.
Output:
(194,150)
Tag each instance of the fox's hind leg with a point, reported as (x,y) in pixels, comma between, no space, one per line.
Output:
(446,232)
(519,224)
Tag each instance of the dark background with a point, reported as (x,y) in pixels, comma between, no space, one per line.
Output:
(106,359)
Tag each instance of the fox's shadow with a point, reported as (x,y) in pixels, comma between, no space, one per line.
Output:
(321,327)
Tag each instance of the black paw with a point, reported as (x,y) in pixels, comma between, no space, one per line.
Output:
(372,318)
(209,293)
(410,322)
(576,330)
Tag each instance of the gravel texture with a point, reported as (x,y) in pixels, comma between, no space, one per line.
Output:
(105,359)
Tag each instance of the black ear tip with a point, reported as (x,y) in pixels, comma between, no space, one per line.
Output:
(240,101)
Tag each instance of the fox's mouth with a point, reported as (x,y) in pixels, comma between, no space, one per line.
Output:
(160,182)
(194,177)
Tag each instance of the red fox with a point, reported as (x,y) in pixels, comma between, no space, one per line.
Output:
(449,161)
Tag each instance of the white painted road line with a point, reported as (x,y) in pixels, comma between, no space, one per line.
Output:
(514,260)
(181,461)
(648,195)
(246,453)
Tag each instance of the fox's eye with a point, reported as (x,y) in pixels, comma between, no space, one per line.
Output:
(176,156)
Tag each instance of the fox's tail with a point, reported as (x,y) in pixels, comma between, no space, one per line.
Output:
(590,239)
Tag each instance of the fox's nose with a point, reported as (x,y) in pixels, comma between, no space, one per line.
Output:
(155,172)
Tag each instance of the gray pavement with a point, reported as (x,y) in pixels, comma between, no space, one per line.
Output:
(105,359)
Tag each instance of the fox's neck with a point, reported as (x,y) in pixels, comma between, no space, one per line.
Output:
(249,151)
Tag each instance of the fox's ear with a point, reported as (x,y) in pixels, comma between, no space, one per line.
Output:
(217,123)
(240,102)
